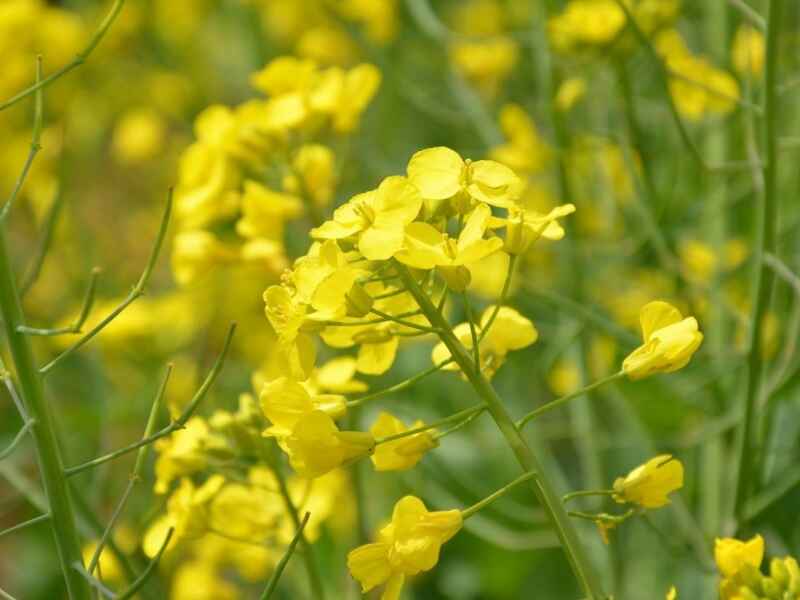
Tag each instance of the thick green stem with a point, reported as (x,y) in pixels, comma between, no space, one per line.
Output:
(51,468)
(764,277)
(530,464)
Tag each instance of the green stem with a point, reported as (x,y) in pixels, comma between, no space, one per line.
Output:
(398,386)
(17,439)
(24,524)
(35,145)
(564,399)
(764,280)
(586,493)
(317,590)
(467,413)
(276,575)
(527,460)
(466,514)
(79,59)
(51,468)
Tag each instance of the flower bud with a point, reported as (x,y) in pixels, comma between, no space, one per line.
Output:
(358,301)
(457,278)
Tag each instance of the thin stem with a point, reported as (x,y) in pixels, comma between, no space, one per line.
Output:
(139,583)
(17,439)
(79,59)
(45,240)
(179,423)
(317,590)
(585,493)
(48,451)
(512,267)
(35,145)
(466,514)
(755,19)
(458,426)
(476,349)
(564,399)
(398,387)
(527,460)
(276,575)
(24,524)
(787,481)
(95,583)
(86,307)
(463,414)
(663,76)
(362,322)
(135,476)
(137,291)
(5,595)
(399,321)
(764,280)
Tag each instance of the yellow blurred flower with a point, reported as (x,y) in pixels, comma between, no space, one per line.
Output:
(731,555)
(570,93)
(138,136)
(748,52)
(525,151)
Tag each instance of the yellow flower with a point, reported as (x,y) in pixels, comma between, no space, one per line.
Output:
(314,173)
(697,87)
(184,452)
(525,151)
(316,446)
(187,514)
(138,136)
(650,484)
(426,247)
(404,453)
(407,546)
(338,376)
(326,280)
(440,174)
(672,594)
(486,63)
(245,512)
(108,565)
(286,402)
(732,555)
(570,92)
(524,227)
(377,218)
(287,315)
(669,341)
(195,253)
(748,51)
(200,580)
(264,211)
(509,331)
(698,259)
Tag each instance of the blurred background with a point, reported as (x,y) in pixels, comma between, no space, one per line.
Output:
(588,123)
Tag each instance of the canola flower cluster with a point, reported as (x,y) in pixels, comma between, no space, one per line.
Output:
(264,163)
(359,286)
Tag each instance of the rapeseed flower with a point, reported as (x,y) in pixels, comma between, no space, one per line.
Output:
(408,545)
(650,484)
(404,453)
(669,341)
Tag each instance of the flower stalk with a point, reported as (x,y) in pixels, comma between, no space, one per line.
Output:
(51,468)
(541,486)
(764,280)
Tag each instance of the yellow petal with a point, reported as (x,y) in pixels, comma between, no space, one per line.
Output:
(436,172)
(655,315)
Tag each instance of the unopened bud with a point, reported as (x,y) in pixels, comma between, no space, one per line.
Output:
(457,278)
(359,302)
